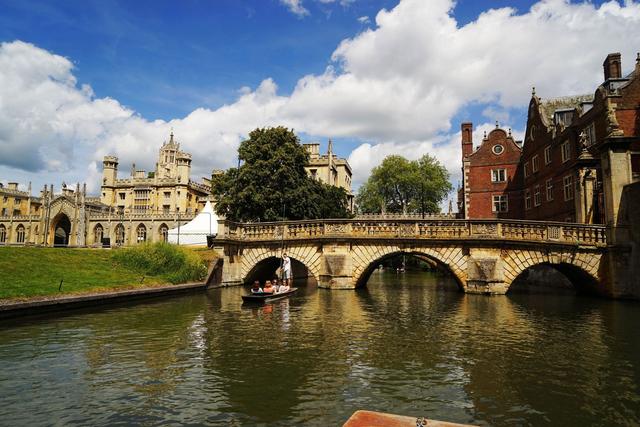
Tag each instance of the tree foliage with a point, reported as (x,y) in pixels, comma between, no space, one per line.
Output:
(272,182)
(399,185)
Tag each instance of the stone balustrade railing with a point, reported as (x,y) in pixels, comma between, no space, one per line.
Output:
(446,229)
(413,216)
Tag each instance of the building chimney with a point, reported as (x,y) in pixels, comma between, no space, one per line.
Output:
(467,138)
(612,66)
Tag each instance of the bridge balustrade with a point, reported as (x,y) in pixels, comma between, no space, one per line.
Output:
(445,229)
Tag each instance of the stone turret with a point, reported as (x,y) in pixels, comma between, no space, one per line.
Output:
(109,176)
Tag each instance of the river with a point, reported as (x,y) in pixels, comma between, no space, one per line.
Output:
(409,344)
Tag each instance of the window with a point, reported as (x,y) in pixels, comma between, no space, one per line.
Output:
(166,209)
(549,190)
(167,194)
(141,200)
(4,212)
(590,134)
(537,198)
(497,149)
(547,155)
(120,235)
(526,169)
(568,187)
(164,232)
(20,234)
(141,231)
(314,173)
(5,199)
(122,196)
(17,200)
(535,163)
(500,203)
(566,151)
(3,234)
(527,199)
(97,233)
(498,175)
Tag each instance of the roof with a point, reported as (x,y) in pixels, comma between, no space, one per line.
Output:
(564,103)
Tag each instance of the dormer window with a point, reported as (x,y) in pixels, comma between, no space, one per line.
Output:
(563,118)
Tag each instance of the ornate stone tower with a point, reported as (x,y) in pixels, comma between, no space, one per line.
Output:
(109,176)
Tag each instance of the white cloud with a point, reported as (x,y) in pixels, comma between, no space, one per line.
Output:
(364,20)
(296,7)
(397,86)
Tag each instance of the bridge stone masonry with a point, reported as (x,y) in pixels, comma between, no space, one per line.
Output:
(484,256)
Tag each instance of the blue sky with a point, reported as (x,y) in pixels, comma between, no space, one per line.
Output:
(216,69)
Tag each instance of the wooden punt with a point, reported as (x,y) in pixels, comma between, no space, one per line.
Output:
(262,297)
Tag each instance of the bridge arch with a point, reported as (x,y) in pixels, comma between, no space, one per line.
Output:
(253,258)
(581,269)
(367,258)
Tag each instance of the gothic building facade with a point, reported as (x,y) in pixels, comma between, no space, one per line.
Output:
(139,208)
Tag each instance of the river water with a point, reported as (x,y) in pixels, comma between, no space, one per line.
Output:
(408,344)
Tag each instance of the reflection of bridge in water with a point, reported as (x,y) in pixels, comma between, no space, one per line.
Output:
(484,256)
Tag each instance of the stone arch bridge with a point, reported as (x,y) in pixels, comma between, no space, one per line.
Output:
(485,256)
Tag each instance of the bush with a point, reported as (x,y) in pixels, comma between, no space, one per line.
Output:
(177,264)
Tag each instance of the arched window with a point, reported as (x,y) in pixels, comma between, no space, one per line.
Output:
(98,231)
(20,234)
(164,232)
(142,233)
(3,234)
(119,234)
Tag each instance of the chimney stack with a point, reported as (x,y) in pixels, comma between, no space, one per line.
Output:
(612,66)
(467,138)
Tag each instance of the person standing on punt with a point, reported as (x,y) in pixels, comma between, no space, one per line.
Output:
(286,269)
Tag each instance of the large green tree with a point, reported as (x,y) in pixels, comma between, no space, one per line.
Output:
(271,183)
(399,185)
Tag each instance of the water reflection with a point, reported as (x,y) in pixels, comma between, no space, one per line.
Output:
(408,343)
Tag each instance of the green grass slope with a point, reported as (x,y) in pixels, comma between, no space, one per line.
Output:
(33,271)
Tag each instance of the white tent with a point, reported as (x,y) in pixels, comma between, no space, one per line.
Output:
(196,231)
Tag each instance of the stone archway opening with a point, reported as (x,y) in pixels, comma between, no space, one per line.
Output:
(268,268)
(547,278)
(61,231)
(402,262)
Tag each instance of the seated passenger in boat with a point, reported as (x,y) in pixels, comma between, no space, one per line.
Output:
(256,287)
(284,288)
(276,285)
(268,287)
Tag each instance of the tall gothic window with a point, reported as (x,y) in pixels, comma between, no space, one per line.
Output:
(142,233)
(20,234)
(3,234)
(97,233)
(164,232)
(120,235)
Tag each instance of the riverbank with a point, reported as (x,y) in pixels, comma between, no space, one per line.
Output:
(35,273)
(45,305)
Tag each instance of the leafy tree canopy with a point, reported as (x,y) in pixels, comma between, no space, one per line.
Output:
(399,185)
(272,182)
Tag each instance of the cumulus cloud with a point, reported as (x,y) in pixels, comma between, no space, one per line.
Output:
(395,87)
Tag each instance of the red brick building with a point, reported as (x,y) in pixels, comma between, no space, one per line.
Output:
(564,142)
(578,154)
(490,183)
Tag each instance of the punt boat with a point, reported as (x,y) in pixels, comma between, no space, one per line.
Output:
(262,297)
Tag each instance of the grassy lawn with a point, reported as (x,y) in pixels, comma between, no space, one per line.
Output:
(28,272)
